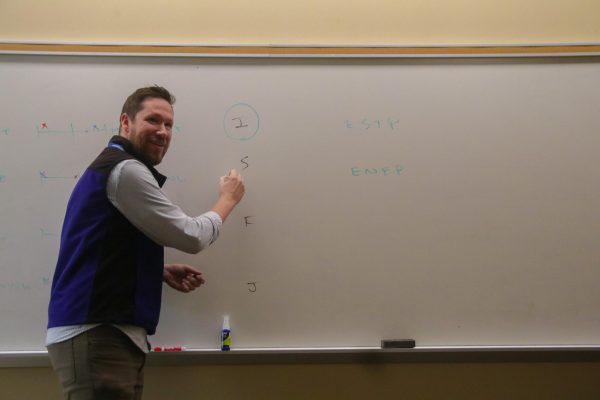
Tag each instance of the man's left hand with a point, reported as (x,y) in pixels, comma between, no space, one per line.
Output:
(182,277)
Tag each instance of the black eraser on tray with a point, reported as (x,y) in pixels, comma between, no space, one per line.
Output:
(398,344)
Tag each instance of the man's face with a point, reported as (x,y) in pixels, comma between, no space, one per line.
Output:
(150,130)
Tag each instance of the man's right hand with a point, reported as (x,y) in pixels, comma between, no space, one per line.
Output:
(232,185)
(231,191)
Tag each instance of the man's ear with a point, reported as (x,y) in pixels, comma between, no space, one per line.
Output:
(125,124)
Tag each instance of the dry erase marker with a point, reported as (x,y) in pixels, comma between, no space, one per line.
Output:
(226,335)
(173,348)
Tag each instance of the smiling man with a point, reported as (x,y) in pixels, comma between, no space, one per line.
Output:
(106,290)
(148,126)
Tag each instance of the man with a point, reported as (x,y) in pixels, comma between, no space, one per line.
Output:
(106,290)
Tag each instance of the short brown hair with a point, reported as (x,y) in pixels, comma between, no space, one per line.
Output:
(134,102)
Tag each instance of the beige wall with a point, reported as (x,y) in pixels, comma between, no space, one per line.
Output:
(302,22)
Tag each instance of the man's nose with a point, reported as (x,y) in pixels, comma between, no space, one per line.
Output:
(163,130)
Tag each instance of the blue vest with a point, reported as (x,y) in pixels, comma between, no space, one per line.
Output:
(107,270)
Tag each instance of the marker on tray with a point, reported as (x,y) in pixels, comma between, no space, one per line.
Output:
(226,335)
(171,348)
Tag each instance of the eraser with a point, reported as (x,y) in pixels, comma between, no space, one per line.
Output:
(398,344)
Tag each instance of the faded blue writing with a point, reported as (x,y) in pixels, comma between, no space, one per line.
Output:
(377,171)
(45,128)
(14,286)
(175,178)
(46,233)
(21,286)
(370,124)
(45,177)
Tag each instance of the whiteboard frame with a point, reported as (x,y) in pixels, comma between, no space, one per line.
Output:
(437,354)
(300,50)
(358,355)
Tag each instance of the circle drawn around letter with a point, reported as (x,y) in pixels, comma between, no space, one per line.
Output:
(241,122)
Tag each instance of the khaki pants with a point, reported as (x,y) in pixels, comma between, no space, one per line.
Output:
(102,363)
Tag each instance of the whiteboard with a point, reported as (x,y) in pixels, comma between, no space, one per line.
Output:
(452,201)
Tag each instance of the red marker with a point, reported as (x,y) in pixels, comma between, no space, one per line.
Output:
(174,348)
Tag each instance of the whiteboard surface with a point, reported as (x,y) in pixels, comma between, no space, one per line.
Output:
(451,201)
